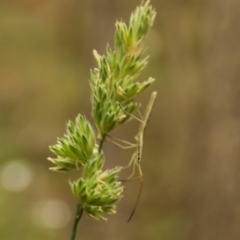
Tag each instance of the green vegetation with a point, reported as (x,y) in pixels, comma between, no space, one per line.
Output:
(114,88)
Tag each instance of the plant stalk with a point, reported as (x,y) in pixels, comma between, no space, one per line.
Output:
(78,215)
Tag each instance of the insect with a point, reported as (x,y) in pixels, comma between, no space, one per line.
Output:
(136,158)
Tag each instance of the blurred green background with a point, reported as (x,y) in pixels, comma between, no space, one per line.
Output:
(191,160)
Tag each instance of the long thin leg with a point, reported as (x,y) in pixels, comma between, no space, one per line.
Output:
(139,194)
(131,162)
(128,145)
(138,119)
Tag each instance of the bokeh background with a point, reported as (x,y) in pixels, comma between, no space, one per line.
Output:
(191,159)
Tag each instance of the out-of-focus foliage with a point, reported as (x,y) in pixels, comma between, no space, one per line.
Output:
(191,151)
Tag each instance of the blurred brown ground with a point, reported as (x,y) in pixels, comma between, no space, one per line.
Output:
(191,159)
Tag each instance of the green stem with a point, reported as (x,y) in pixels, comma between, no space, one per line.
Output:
(79,209)
(101,143)
(78,215)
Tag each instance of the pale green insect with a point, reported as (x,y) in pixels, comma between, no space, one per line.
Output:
(137,155)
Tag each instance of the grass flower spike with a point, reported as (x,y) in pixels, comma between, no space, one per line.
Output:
(76,147)
(98,191)
(114,79)
(114,88)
